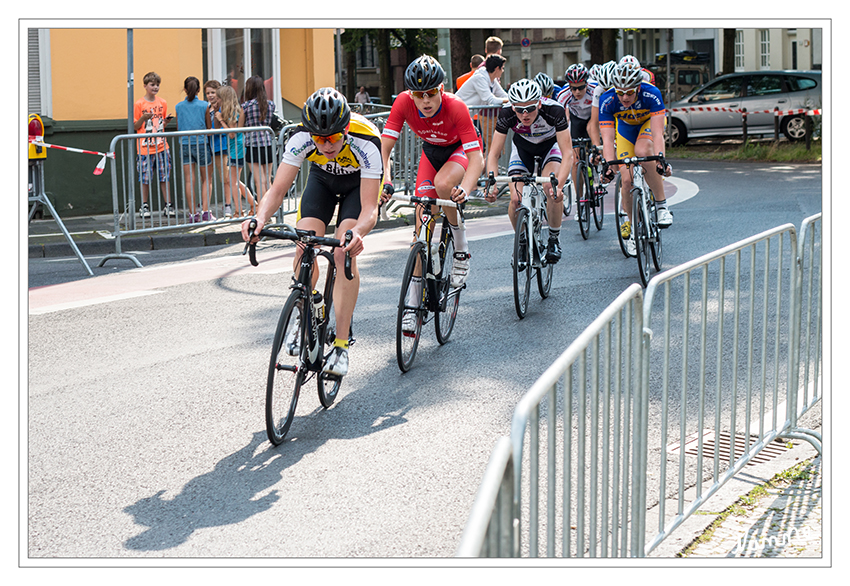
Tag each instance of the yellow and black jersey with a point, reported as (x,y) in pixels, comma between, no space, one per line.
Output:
(361,153)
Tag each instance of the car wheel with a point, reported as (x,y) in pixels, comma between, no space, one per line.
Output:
(676,132)
(794,127)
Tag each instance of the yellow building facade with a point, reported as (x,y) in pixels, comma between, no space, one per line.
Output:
(78,85)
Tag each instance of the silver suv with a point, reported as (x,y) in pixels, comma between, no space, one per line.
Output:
(756,91)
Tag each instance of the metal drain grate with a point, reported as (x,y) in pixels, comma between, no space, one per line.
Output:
(724,439)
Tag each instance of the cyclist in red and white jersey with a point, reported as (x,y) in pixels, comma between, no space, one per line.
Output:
(577,99)
(451,160)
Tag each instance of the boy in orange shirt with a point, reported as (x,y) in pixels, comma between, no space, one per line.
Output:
(150,115)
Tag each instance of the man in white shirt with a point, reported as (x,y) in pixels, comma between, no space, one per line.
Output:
(484,89)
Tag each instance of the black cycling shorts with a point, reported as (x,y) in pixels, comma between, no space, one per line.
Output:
(324,191)
(578,127)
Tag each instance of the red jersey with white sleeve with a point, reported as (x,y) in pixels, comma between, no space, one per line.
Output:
(450,125)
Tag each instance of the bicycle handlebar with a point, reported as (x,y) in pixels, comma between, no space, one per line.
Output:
(428,200)
(307,237)
(492,179)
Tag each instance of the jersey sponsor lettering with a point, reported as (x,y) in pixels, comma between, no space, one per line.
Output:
(551,118)
(648,103)
(450,124)
(361,153)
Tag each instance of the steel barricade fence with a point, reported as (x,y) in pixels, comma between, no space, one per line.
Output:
(716,384)
(588,390)
(720,377)
(167,180)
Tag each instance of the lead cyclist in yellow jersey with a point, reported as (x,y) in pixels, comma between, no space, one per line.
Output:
(344,149)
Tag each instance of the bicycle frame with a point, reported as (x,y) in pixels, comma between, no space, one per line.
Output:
(303,283)
(432,280)
(534,200)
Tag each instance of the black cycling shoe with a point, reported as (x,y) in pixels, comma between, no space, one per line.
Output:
(553,251)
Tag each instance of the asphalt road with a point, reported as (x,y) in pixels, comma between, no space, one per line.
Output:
(144,414)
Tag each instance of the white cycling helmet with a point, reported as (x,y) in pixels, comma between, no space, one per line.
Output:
(630,59)
(605,73)
(626,76)
(524,90)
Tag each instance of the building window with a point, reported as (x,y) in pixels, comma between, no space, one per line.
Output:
(232,55)
(764,49)
(739,50)
(367,54)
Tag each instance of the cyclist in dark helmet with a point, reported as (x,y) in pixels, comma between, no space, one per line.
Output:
(346,170)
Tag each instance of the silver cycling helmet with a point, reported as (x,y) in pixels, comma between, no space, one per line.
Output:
(547,86)
(605,72)
(626,76)
(524,90)
(630,59)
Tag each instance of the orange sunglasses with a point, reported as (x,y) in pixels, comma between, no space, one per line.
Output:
(426,94)
(332,139)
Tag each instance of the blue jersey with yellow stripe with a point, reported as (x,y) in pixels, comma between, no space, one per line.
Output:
(649,103)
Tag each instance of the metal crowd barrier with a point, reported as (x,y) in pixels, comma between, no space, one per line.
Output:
(687,383)
(126,187)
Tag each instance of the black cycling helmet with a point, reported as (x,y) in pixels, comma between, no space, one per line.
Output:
(425,73)
(326,112)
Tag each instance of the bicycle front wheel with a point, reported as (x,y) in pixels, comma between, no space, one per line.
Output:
(640,232)
(522,263)
(583,200)
(444,318)
(411,309)
(286,372)
(544,271)
(598,192)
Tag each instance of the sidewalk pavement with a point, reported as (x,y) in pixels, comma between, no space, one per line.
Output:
(94,234)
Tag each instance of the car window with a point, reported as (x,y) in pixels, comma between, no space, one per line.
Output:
(722,89)
(796,84)
(689,77)
(764,85)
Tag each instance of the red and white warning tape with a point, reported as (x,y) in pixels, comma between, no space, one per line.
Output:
(737,111)
(100,166)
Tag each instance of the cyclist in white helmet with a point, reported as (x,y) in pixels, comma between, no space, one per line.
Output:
(541,129)
(631,118)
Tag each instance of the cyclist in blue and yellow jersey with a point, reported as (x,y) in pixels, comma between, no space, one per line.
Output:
(344,149)
(631,119)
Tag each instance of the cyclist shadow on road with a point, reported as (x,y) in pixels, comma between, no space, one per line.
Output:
(242,484)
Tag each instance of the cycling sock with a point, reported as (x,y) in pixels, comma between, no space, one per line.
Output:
(661,205)
(414,292)
(340,343)
(459,234)
(554,233)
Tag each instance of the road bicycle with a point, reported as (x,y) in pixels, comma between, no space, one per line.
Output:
(531,235)
(620,216)
(590,193)
(433,296)
(645,228)
(305,332)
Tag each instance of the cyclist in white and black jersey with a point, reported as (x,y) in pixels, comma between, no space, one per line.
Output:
(541,129)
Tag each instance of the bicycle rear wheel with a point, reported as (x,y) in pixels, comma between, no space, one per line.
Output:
(286,372)
(444,318)
(620,217)
(408,341)
(328,383)
(598,192)
(522,264)
(583,200)
(641,234)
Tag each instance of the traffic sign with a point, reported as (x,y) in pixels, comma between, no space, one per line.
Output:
(526,42)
